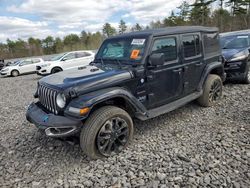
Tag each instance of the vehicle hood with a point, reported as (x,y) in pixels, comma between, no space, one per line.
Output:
(10,67)
(229,53)
(87,78)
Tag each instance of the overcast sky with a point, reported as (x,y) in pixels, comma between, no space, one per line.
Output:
(40,18)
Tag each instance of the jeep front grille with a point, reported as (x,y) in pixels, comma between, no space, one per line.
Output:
(47,98)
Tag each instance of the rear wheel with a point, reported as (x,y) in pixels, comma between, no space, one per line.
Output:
(212,91)
(107,132)
(55,70)
(14,73)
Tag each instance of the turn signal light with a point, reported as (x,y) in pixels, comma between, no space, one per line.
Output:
(84,111)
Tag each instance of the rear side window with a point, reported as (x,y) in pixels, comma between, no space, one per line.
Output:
(70,56)
(191,45)
(26,62)
(36,60)
(82,54)
(167,46)
(211,43)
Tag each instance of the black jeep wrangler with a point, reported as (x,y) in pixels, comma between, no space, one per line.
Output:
(136,75)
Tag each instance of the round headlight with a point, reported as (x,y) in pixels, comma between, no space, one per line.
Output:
(61,100)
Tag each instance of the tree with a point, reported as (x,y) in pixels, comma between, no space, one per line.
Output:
(122,27)
(184,10)
(58,45)
(48,45)
(200,12)
(136,27)
(108,30)
(71,41)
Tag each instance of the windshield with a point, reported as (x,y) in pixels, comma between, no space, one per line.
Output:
(16,63)
(122,49)
(57,57)
(235,42)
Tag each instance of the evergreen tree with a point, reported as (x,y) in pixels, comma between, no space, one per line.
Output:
(108,30)
(122,27)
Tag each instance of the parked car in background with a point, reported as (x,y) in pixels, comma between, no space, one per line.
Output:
(236,51)
(134,75)
(1,64)
(25,66)
(65,61)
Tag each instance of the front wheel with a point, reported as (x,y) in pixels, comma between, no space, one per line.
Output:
(212,91)
(106,132)
(56,70)
(14,73)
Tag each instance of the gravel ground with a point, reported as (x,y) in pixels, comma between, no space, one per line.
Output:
(189,147)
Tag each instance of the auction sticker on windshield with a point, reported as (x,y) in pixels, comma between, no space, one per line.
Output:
(134,54)
(138,41)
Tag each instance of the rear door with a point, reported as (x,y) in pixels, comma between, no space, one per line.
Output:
(83,58)
(35,63)
(164,82)
(192,61)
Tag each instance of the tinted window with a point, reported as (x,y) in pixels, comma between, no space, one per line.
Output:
(36,60)
(191,45)
(211,43)
(82,54)
(166,46)
(26,63)
(69,56)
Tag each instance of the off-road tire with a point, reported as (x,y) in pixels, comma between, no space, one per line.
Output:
(14,73)
(209,97)
(55,70)
(94,124)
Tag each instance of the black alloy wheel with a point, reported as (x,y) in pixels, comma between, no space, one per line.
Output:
(113,136)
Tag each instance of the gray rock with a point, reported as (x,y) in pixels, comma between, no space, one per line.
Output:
(161,176)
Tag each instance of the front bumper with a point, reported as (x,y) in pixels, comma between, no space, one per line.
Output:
(236,70)
(4,73)
(54,125)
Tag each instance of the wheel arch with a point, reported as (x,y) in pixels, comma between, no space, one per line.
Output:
(118,97)
(216,68)
(14,70)
(56,67)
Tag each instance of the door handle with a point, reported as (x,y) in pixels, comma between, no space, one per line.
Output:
(177,70)
(198,64)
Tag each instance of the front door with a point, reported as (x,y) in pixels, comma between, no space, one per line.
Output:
(192,61)
(164,82)
(26,67)
(69,61)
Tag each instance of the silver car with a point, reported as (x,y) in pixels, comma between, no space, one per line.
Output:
(25,66)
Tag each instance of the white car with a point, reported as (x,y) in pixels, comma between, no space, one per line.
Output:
(25,66)
(65,61)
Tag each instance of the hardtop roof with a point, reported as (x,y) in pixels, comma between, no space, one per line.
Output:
(168,31)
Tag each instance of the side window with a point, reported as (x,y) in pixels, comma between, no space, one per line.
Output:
(36,60)
(166,46)
(191,45)
(211,43)
(69,56)
(27,62)
(82,54)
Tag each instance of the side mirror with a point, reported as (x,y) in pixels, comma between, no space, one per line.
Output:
(64,59)
(156,59)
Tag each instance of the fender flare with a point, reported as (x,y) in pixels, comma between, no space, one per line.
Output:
(93,98)
(208,70)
